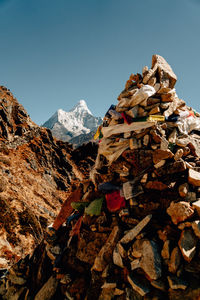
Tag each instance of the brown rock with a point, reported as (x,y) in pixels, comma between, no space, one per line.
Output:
(137,248)
(160,284)
(159,155)
(191,197)
(48,290)
(152,81)
(89,246)
(135,264)
(176,283)
(187,244)
(183,225)
(156,137)
(152,101)
(131,234)
(173,136)
(165,253)
(3,184)
(160,164)
(194,177)
(164,71)
(169,97)
(156,185)
(105,254)
(180,211)
(173,106)
(176,167)
(117,259)
(138,285)
(196,228)
(146,140)
(178,154)
(151,260)
(183,189)
(164,143)
(155,110)
(175,260)
(196,205)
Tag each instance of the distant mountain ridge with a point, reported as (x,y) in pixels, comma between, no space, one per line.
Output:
(74,126)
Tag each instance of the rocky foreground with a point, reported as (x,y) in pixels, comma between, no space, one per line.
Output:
(131,230)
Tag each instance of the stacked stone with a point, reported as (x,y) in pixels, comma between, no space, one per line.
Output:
(152,155)
(132,232)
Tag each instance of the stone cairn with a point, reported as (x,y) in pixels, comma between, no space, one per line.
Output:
(132,231)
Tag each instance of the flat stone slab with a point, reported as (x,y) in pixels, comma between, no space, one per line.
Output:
(151,260)
(136,230)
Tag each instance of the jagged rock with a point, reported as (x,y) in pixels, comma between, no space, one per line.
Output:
(196,205)
(187,244)
(48,290)
(156,185)
(180,211)
(191,197)
(183,189)
(178,154)
(151,260)
(89,246)
(165,253)
(105,254)
(16,279)
(164,70)
(159,155)
(196,228)
(117,259)
(160,284)
(137,248)
(175,260)
(135,264)
(138,286)
(136,230)
(176,283)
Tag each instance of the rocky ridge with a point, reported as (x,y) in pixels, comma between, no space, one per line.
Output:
(36,175)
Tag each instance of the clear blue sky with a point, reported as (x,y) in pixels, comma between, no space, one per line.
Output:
(54,53)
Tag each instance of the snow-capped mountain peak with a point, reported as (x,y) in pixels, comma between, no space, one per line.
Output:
(78,121)
(81,106)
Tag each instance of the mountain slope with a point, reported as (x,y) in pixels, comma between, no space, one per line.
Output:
(77,122)
(36,175)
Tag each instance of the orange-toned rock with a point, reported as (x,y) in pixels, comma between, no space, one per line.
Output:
(194,177)
(180,211)
(183,189)
(156,185)
(159,155)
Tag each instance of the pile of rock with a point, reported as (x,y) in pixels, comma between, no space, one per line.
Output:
(132,231)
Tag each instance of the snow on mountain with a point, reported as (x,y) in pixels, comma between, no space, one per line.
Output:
(68,125)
